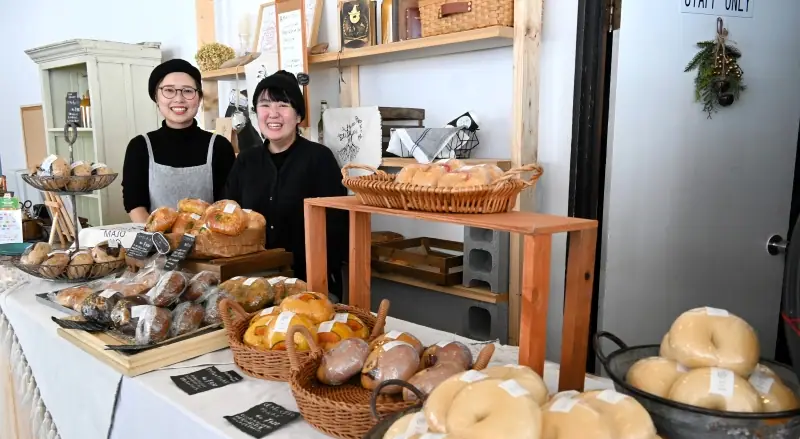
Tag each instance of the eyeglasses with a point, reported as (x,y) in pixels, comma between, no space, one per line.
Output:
(169,92)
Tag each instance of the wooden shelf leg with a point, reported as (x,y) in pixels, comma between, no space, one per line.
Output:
(577,309)
(359,263)
(534,297)
(316,249)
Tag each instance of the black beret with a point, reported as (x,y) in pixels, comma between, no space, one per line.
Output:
(286,82)
(173,66)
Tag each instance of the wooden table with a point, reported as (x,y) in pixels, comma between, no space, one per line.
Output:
(537,230)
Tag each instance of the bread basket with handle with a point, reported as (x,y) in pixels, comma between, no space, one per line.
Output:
(345,411)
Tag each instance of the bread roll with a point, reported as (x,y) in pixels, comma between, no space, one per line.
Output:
(227,218)
(627,417)
(463,179)
(193,205)
(36,254)
(343,361)
(397,336)
(439,401)
(55,264)
(494,409)
(278,327)
(168,289)
(73,297)
(185,222)
(571,418)
(716,389)
(428,379)
(710,337)
(394,360)
(80,265)
(255,220)
(331,332)
(161,220)
(775,395)
(406,174)
(186,317)
(79,169)
(429,177)
(312,305)
(356,325)
(655,375)
(524,376)
(254,294)
(121,314)
(153,324)
(101,169)
(199,284)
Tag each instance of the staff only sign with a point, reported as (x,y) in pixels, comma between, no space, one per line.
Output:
(728,8)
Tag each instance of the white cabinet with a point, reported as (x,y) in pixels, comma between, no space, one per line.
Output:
(115,75)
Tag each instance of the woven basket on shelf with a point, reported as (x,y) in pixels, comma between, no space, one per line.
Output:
(380,190)
(274,365)
(447,16)
(343,411)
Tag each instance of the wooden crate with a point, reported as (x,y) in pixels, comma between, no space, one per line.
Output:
(420,258)
(266,260)
(147,361)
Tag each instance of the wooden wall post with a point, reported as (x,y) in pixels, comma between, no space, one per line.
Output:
(524,133)
(206,33)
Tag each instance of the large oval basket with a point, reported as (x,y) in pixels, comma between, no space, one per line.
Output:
(275,365)
(346,411)
(380,190)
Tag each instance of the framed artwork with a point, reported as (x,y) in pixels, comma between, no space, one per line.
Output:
(267,37)
(356,24)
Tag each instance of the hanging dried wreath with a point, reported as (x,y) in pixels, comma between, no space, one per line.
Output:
(719,77)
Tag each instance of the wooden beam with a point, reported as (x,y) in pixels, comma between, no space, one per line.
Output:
(524,132)
(206,33)
(348,88)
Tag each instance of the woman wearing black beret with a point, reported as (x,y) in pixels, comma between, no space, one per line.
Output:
(179,160)
(274,180)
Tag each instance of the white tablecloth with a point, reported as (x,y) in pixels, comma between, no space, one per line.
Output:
(84,397)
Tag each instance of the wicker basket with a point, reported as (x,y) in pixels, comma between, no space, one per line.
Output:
(447,16)
(380,190)
(346,411)
(275,365)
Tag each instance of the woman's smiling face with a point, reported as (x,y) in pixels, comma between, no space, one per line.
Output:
(277,120)
(178,99)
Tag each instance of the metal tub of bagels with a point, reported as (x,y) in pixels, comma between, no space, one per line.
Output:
(675,420)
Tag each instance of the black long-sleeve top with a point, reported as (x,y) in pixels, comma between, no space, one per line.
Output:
(275,186)
(179,148)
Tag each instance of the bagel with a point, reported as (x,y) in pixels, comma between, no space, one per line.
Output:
(226,218)
(439,401)
(663,350)
(710,337)
(525,376)
(654,375)
(765,370)
(716,389)
(775,395)
(409,426)
(571,418)
(494,408)
(628,418)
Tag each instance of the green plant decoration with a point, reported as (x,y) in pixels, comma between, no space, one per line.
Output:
(719,77)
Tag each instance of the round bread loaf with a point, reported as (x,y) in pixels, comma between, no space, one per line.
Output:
(655,375)
(716,389)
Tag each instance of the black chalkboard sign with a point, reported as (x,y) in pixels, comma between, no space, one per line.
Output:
(161,243)
(73,108)
(180,253)
(262,419)
(205,379)
(142,246)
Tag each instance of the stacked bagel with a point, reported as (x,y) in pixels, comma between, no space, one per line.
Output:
(709,359)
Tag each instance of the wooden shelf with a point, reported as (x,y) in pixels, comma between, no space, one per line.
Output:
(480,294)
(458,42)
(228,74)
(398,162)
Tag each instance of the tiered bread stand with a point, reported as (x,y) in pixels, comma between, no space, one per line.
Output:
(537,231)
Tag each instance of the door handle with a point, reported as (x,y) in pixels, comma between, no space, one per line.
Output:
(776,245)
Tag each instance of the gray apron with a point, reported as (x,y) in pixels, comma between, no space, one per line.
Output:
(169,185)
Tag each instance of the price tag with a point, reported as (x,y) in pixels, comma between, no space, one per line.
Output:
(722,382)
(418,424)
(716,312)
(284,319)
(262,419)
(326,326)
(291,281)
(180,253)
(249,281)
(394,344)
(610,396)
(761,382)
(276,280)
(195,216)
(266,312)
(142,246)
(443,343)
(566,394)
(472,376)
(340,317)
(98,165)
(393,334)
(107,293)
(76,164)
(563,405)
(229,208)
(205,379)
(513,388)
(160,242)
(138,310)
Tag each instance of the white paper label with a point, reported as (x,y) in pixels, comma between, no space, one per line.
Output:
(195,216)
(472,375)
(282,324)
(229,208)
(107,293)
(394,344)
(513,388)
(610,396)
(340,317)
(96,166)
(515,366)
(266,312)
(433,436)
(77,253)
(326,326)
(113,243)
(681,368)
(716,312)
(722,381)
(761,382)
(418,424)
(291,281)
(247,210)
(443,343)
(48,162)
(563,405)
(250,281)
(275,280)
(236,277)
(56,252)
(138,310)
(566,394)
(76,164)
(393,334)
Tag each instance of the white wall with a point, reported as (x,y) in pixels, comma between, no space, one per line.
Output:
(690,202)
(47,21)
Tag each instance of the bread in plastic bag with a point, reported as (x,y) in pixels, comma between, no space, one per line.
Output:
(254,294)
(97,307)
(396,360)
(169,287)
(212,298)
(288,286)
(153,324)
(161,220)
(343,361)
(36,254)
(198,285)
(226,217)
(255,220)
(186,317)
(193,205)
(428,379)
(72,297)
(186,222)
(80,265)
(121,314)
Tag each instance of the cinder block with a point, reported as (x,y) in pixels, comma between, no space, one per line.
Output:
(486,258)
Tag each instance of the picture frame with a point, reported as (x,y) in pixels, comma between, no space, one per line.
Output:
(356,23)
(266,39)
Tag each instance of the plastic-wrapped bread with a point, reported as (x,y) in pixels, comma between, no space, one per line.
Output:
(254,293)
(185,222)
(429,177)
(168,289)
(80,265)
(101,169)
(343,361)
(79,169)
(394,360)
(716,389)
(73,297)
(655,375)
(36,254)
(97,307)
(226,218)
(55,264)
(121,314)
(447,352)
(255,220)
(199,284)
(193,205)
(161,220)
(153,324)
(186,317)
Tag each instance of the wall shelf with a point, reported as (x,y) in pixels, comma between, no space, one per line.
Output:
(472,293)
(399,162)
(458,42)
(228,74)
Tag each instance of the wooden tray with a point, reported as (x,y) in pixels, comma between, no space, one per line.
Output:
(429,265)
(266,260)
(199,343)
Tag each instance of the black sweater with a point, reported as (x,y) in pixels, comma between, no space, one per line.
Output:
(179,148)
(275,185)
